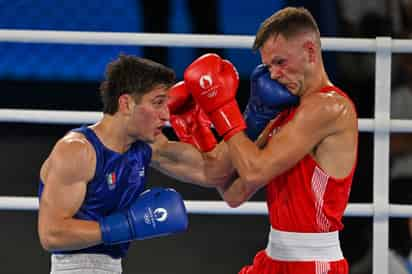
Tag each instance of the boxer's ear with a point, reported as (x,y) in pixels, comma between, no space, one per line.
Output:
(126,103)
(310,49)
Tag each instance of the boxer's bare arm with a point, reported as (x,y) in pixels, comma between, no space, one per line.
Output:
(318,120)
(65,174)
(185,163)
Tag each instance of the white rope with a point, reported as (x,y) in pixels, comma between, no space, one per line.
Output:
(220,207)
(89,117)
(126,38)
(179,40)
(49,116)
(18,203)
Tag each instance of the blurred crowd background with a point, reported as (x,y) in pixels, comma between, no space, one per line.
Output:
(66,77)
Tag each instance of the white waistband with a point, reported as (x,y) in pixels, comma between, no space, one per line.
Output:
(60,263)
(294,246)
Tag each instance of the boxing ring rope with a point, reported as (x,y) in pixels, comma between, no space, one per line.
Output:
(88,117)
(180,40)
(218,207)
(381,125)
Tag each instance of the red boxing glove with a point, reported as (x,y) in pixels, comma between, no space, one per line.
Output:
(213,83)
(188,120)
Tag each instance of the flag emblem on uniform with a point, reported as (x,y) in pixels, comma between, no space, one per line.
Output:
(141,171)
(111,180)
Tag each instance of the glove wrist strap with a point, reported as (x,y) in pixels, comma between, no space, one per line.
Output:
(115,229)
(228,119)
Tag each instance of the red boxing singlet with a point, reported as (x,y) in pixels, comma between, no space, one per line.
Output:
(305,210)
(305,198)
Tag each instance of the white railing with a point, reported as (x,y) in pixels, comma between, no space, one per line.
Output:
(182,40)
(219,207)
(381,155)
(381,125)
(88,117)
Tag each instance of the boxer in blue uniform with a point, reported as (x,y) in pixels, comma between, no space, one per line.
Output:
(93,195)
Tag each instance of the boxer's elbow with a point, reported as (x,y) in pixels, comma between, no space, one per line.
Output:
(50,238)
(48,245)
(48,242)
(234,203)
(240,195)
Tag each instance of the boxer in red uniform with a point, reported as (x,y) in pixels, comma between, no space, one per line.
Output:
(309,150)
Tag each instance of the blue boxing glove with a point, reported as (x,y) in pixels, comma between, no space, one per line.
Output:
(156,212)
(267,99)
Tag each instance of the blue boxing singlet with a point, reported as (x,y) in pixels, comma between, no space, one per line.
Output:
(118,180)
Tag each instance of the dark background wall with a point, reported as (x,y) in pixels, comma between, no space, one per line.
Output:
(67,77)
